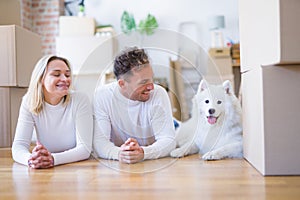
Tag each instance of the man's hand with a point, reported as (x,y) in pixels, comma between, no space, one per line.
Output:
(131,152)
(40,157)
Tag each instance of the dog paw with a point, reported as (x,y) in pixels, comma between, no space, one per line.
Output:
(211,156)
(177,153)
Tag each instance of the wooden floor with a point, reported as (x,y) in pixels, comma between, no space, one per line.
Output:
(165,179)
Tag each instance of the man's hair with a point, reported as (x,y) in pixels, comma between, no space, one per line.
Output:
(128,59)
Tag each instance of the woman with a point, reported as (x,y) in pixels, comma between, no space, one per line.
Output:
(61,118)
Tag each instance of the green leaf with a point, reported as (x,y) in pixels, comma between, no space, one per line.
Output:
(148,25)
(127,22)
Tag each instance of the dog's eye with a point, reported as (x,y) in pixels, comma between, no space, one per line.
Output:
(206,101)
(219,102)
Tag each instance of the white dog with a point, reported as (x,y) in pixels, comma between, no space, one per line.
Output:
(215,128)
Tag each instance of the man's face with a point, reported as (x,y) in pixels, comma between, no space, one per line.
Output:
(138,86)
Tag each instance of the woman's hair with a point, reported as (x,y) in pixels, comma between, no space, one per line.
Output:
(129,59)
(35,95)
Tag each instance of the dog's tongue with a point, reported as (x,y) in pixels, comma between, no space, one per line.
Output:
(211,119)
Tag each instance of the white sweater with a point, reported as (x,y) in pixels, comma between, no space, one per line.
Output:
(66,131)
(116,118)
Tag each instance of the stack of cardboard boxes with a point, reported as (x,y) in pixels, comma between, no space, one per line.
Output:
(19,51)
(270,67)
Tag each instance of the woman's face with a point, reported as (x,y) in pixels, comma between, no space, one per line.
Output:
(56,81)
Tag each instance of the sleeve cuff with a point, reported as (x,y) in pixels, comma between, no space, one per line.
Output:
(115,153)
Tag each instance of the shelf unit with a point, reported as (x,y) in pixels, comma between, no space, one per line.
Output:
(89,57)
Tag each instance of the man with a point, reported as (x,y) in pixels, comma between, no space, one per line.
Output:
(133,117)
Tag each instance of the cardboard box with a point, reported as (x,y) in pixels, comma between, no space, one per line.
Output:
(220,63)
(271,119)
(76,26)
(10,101)
(219,52)
(270,66)
(85,50)
(20,49)
(269,32)
(10,12)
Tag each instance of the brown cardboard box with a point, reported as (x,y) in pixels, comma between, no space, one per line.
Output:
(10,101)
(271,120)
(20,49)
(269,32)
(10,12)
(222,59)
(269,41)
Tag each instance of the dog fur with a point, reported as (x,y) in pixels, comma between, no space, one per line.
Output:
(215,128)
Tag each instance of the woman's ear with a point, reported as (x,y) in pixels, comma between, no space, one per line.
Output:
(42,81)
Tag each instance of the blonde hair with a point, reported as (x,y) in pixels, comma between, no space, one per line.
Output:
(35,95)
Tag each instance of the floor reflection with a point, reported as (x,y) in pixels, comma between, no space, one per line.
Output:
(146,166)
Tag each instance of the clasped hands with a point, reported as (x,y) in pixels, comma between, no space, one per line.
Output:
(131,152)
(40,157)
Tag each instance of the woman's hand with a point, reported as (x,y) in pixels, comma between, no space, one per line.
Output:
(40,158)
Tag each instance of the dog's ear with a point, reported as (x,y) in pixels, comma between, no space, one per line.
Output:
(202,86)
(227,87)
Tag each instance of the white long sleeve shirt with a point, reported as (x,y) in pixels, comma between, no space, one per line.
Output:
(117,118)
(65,130)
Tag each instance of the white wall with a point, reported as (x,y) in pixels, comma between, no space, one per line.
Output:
(170,13)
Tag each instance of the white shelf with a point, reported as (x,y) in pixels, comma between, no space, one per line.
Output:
(89,57)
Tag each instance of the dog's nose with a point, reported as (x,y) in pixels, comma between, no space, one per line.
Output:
(211,111)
